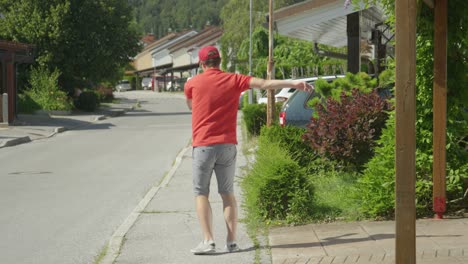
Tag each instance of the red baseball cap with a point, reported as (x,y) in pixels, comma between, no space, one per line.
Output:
(208,52)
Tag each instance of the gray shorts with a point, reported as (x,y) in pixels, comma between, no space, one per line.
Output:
(218,158)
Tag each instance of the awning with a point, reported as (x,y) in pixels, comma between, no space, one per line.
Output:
(324,21)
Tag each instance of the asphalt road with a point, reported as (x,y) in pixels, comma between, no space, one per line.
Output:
(62,198)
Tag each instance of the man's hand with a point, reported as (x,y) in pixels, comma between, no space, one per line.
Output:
(304,86)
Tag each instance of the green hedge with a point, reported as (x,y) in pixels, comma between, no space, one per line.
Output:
(87,101)
(276,188)
(255,116)
(290,138)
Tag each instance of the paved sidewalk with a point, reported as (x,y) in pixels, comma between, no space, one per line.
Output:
(167,228)
(437,241)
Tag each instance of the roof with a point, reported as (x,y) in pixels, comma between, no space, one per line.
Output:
(207,34)
(168,44)
(160,41)
(323,21)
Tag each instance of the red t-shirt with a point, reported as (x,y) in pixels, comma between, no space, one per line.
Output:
(215,100)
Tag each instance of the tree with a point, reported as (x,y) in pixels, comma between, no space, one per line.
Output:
(293,58)
(235,17)
(88,41)
(160,16)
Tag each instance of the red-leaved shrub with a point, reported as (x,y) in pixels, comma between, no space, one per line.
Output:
(346,130)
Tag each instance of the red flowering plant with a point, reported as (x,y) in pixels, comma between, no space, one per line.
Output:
(345,130)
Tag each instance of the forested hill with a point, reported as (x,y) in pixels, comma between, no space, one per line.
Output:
(162,16)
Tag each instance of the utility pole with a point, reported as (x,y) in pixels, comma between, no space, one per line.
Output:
(270,69)
(250,54)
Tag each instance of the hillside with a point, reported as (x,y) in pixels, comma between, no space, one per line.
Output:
(162,16)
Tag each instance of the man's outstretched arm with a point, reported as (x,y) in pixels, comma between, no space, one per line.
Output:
(277,84)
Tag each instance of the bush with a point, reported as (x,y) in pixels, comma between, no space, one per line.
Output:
(376,188)
(87,101)
(255,116)
(26,104)
(361,81)
(277,189)
(346,131)
(45,90)
(290,138)
(245,98)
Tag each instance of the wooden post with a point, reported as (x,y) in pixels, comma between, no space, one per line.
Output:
(270,70)
(440,107)
(405,152)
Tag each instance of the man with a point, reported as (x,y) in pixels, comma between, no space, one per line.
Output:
(213,97)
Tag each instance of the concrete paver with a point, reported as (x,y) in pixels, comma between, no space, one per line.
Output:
(437,241)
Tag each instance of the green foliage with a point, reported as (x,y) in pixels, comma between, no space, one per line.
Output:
(255,116)
(245,98)
(276,189)
(45,91)
(293,57)
(375,190)
(332,189)
(160,17)
(290,139)
(87,101)
(362,81)
(377,182)
(235,17)
(88,41)
(26,104)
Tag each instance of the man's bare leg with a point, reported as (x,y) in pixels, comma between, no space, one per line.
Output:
(230,215)
(205,216)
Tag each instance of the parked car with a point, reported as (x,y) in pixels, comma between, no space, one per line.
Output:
(283,94)
(295,110)
(123,85)
(147,83)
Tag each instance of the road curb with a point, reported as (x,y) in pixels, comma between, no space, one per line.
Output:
(60,130)
(117,239)
(15,141)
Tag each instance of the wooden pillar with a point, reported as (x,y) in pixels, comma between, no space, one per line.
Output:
(405,152)
(354,42)
(270,70)
(440,106)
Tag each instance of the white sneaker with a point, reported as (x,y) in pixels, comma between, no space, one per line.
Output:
(232,247)
(205,247)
